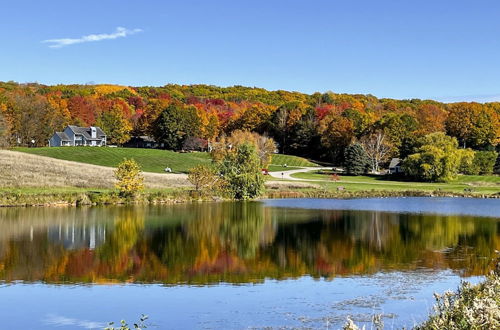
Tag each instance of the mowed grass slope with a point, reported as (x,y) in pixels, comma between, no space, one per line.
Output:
(151,160)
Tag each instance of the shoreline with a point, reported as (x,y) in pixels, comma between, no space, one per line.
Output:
(94,198)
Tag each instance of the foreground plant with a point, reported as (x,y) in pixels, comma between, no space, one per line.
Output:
(130,180)
(471,307)
(205,180)
(125,326)
(241,171)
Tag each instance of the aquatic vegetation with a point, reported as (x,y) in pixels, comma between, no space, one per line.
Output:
(471,307)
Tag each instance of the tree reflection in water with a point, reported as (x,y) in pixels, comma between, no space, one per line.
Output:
(234,242)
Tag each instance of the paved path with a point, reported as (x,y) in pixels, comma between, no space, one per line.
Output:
(288,174)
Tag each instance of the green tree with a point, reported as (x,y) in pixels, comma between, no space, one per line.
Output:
(129,177)
(467,162)
(437,159)
(174,125)
(484,162)
(242,172)
(115,125)
(360,121)
(496,168)
(356,159)
(397,127)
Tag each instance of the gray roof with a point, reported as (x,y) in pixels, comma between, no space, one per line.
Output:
(146,138)
(85,131)
(395,162)
(63,136)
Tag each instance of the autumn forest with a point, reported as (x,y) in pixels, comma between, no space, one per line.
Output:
(317,126)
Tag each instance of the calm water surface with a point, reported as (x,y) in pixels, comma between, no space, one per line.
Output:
(304,263)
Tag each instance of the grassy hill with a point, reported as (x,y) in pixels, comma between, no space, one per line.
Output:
(151,160)
(23,170)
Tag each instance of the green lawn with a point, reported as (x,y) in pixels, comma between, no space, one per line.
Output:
(291,161)
(487,184)
(281,168)
(151,160)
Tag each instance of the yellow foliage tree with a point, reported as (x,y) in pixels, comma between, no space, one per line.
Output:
(265,146)
(130,180)
(205,179)
(109,89)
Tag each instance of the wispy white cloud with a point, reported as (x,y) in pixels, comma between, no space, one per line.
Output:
(120,32)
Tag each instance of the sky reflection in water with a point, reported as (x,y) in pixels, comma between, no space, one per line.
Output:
(292,266)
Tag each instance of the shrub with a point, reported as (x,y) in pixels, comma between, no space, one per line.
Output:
(472,307)
(205,180)
(130,180)
(467,162)
(484,161)
(479,162)
(241,171)
(437,159)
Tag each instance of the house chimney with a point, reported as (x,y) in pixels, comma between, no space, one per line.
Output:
(93,132)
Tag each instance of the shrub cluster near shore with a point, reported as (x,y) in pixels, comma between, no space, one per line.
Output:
(470,307)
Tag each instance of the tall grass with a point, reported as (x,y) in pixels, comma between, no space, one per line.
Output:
(19,169)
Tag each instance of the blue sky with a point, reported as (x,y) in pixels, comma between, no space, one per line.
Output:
(447,50)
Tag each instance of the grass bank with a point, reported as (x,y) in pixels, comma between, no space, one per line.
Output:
(73,196)
(465,184)
(80,196)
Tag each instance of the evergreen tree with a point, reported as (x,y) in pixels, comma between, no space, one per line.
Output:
(496,169)
(356,160)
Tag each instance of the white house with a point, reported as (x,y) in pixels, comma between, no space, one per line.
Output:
(78,136)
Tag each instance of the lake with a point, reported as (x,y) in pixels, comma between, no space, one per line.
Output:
(290,263)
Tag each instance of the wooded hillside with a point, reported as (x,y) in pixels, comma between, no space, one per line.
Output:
(317,126)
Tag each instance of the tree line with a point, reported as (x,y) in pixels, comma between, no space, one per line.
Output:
(320,126)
